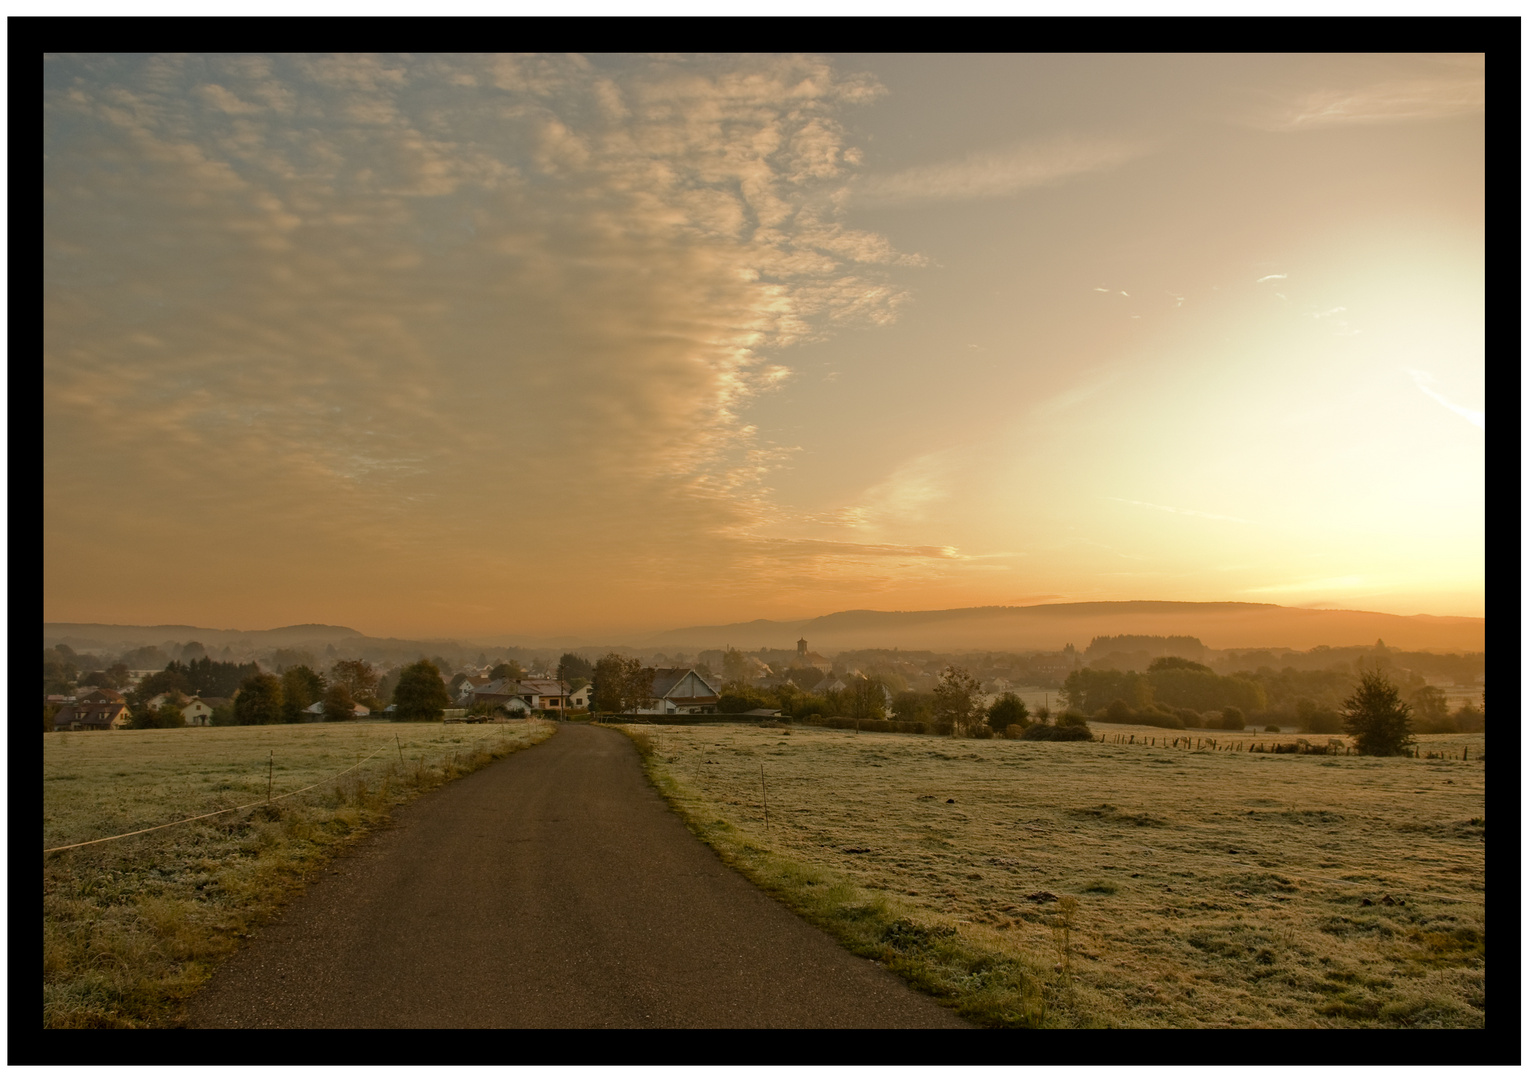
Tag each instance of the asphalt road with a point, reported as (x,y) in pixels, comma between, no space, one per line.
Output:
(552,889)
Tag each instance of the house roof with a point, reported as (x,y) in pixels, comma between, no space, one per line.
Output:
(665,679)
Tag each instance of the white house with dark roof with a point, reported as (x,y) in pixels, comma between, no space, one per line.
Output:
(681,691)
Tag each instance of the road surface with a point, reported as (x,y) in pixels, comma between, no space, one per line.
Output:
(552,889)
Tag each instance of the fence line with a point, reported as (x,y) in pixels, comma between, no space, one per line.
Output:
(215,813)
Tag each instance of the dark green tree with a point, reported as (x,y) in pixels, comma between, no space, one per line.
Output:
(913,706)
(622,684)
(421,693)
(258,700)
(167,715)
(1007,710)
(509,669)
(338,704)
(99,679)
(573,667)
(1377,718)
(172,680)
(301,686)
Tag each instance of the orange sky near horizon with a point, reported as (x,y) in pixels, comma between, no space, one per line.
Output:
(484,345)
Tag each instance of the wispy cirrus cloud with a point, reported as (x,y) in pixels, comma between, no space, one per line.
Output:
(1424,382)
(1000,173)
(364,288)
(1436,88)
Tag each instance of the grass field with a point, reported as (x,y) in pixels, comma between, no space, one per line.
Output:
(131,927)
(1096,884)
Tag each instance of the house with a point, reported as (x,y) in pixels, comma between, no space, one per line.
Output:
(579,699)
(315,712)
(463,685)
(507,694)
(681,690)
(196,711)
(91,717)
(552,693)
(828,683)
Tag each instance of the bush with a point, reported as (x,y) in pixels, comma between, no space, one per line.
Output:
(1076,732)
(1012,731)
(1006,711)
(1190,718)
(1118,712)
(1469,718)
(1272,729)
(1232,719)
(1317,719)
(1156,716)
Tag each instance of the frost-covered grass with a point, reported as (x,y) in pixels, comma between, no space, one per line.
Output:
(1170,887)
(132,927)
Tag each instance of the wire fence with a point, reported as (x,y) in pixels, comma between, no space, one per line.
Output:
(215,813)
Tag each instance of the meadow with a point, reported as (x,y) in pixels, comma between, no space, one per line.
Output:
(131,927)
(1110,884)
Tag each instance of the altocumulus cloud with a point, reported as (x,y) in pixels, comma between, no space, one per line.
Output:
(443,297)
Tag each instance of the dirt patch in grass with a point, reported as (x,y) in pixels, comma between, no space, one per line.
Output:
(1222,890)
(132,927)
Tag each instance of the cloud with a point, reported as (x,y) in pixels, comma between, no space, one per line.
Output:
(1424,383)
(1438,88)
(373,302)
(1000,173)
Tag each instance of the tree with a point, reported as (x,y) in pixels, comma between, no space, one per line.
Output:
(915,706)
(58,671)
(1377,718)
(1430,705)
(168,715)
(958,708)
(301,686)
(1007,710)
(509,669)
(99,678)
(172,680)
(258,700)
(573,667)
(1232,718)
(338,704)
(622,684)
(864,699)
(358,677)
(421,693)
(735,666)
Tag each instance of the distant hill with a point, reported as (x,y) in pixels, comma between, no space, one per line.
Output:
(82,636)
(1051,626)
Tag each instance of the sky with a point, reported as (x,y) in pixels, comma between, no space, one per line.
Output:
(481,345)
